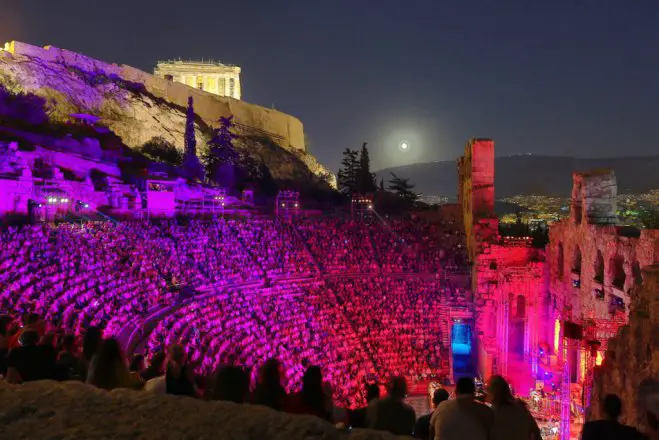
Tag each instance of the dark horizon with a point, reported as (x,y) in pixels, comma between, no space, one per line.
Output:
(545,78)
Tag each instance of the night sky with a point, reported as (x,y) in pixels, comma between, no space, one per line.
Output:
(559,77)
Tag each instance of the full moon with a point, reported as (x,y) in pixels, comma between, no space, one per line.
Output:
(404,146)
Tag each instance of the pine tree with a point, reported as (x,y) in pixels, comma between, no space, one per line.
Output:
(222,159)
(347,176)
(191,166)
(365,179)
(403,188)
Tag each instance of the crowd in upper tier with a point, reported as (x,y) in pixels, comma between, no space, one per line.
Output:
(105,274)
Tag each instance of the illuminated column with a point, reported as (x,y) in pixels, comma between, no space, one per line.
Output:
(503,312)
(533,325)
(565,391)
(237,86)
(227,89)
(217,84)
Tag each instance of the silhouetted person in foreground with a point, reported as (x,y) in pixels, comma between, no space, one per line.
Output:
(610,428)
(422,429)
(312,399)
(463,418)
(358,416)
(231,384)
(512,419)
(391,413)
(269,390)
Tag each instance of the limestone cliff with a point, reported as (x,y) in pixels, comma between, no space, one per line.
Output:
(139,107)
(631,366)
(72,410)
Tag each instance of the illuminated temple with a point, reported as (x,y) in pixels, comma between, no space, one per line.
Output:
(212,77)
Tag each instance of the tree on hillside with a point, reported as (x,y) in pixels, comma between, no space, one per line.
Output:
(347,176)
(403,188)
(365,179)
(222,159)
(160,150)
(192,168)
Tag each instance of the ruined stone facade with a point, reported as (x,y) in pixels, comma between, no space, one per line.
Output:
(476,193)
(509,278)
(588,274)
(595,265)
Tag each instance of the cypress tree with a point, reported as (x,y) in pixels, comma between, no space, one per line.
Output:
(191,166)
(365,179)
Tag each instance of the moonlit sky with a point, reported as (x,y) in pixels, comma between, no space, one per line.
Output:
(559,77)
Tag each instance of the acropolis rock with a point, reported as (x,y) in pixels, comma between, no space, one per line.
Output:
(139,106)
(72,410)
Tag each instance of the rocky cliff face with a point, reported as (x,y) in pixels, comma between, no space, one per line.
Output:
(631,366)
(72,410)
(133,106)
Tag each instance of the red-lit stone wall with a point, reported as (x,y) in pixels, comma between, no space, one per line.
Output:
(476,193)
(594,265)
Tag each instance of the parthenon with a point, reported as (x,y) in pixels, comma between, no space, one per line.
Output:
(209,76)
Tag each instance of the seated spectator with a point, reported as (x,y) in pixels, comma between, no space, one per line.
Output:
(155,368)
(269,390)
(610,427)
(29,361)
(179,377)
(312,399)
(422,429)
(67,360)
(90,344)
(108,369)
(464,417)
(136,366)
(358,416)
(512,420)
(231,384)
(5,328)
(391,413)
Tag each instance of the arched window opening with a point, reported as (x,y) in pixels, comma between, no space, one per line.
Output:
(576,261)
(618,272)
(599,267)
(561,260)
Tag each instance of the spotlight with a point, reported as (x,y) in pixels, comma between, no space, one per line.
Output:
(370,206)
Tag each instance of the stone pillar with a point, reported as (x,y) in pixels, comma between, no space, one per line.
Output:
(238,91)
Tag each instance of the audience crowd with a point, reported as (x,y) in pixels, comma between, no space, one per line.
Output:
(306,317)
